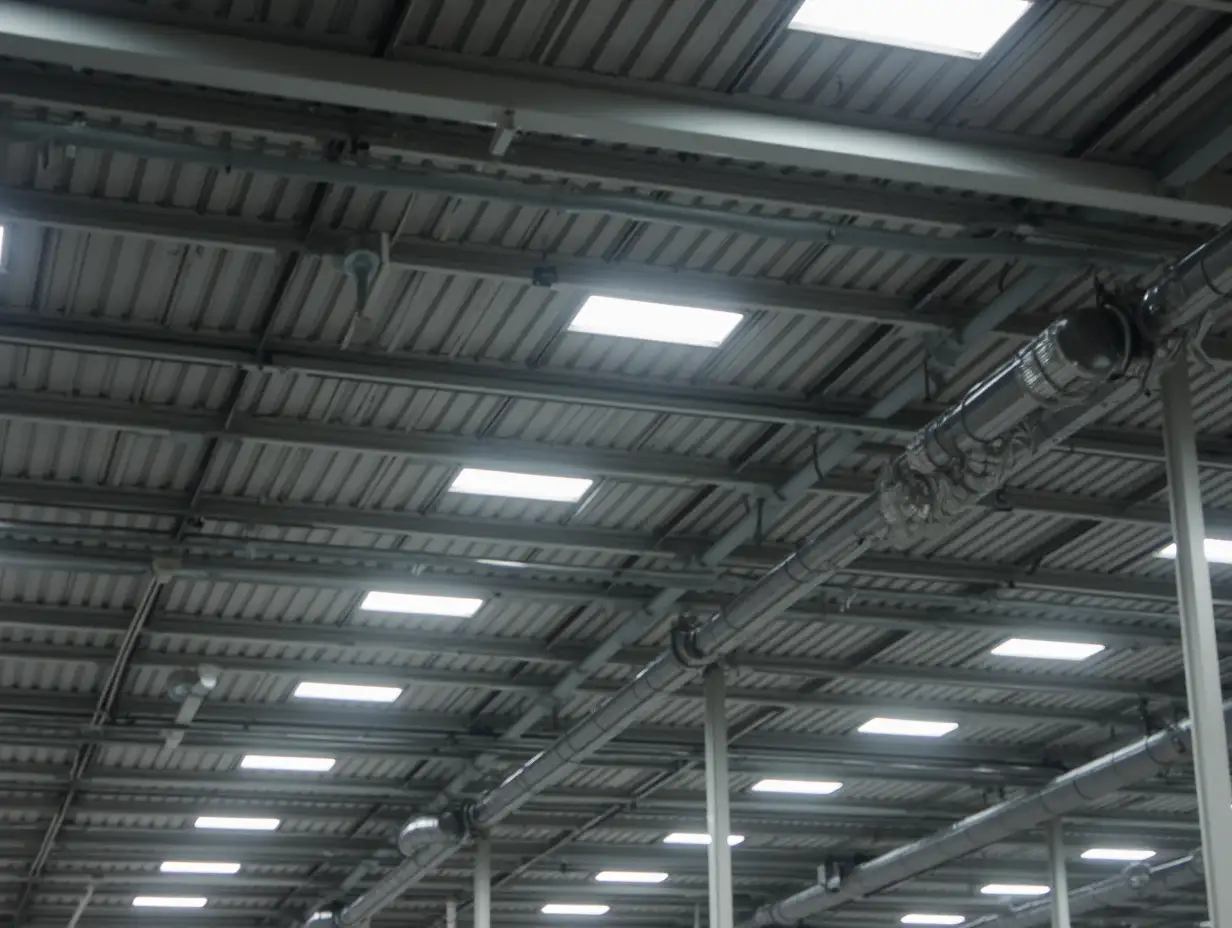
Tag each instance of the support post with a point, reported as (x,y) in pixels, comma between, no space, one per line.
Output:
(451,913)
(483,883)
(1196,606)
(718,799)
(1060,877)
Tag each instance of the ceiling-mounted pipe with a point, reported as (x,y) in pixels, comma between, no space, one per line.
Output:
(1054,385)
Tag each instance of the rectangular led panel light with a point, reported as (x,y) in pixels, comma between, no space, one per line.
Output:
(347,692)
(655,322)
(564,908)
(963,28)
(1218,550)
(798,787)
(1014,889)
(170,902)
(915,728)
(237,823)
(1128,854)
(698,837)
(420,604)
(292,763)
(198,866)
(923,918)
(1047,650)
(520,486)
(630,876)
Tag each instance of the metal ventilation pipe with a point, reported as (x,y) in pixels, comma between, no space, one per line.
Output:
(1076,365)
(1070,791)
(1132,884)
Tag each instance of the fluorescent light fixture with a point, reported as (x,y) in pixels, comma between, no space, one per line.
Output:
(293,763)
(569,908)
(497,562)
(914,728)
(924,918)
(1047,650)
(698,837)
(1218,550)
(630,876)
(1128,854)
(798,787)
(522,486)
(348,692)
(1014,889)
(420,604)
(198,866)
(654,322)
(237,823)
(170,902)
(964,28)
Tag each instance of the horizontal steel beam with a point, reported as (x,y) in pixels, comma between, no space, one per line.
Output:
(623,113)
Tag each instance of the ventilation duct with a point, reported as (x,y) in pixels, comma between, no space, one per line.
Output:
(1060,381)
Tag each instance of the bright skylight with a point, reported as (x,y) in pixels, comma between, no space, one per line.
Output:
(294,763)
(798,787)
(915,728)
(631,876)
(1128,854)
(170,902)
(237,823)
(1014,889)
(420,604)
(570,908)
(923,918)
(698,837)
(966,28)
(198,866)
(521,486)
(348,692)
(1047,650)
(654,322)
(1218,550)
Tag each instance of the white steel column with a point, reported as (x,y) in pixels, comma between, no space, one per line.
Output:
(483,883)
(1060,877)
(718,800)
(1193,588)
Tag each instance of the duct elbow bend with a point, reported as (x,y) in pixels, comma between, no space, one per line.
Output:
(422,831)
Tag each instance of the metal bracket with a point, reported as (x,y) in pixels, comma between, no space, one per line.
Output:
(684,645)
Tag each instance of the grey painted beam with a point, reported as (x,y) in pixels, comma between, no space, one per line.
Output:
(1199,153)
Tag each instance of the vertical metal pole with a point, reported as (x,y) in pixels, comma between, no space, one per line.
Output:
(451,913)
(483,883)
(718,799)
(1193,588)
(1060,877)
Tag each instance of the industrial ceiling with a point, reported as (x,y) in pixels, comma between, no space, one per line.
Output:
(275,273)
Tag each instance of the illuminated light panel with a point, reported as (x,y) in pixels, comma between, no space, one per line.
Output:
(482,482)
(698,837)
(347,692)
(291,763)
(170,902)
(567,908)
(655,322)
(1014,889)
(798,787)
(198,866)
(962,28)
(420,604)
(924,918)
(1128,854)
(1218,550)
(237,823)
(912,728)
(630,876)
(1047,650)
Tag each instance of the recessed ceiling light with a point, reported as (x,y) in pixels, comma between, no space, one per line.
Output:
(237,823)
(1014,889)
(1118,853)
(421,604)
(1218,550)
(566,908)
(294,763)
(965,28)
(698,837)
(924,918)
(348,692)
(198,866)
(798,787)
(654,322)
(915,728)
(170,902)
(1047,650)
(630,876)
(521,486)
